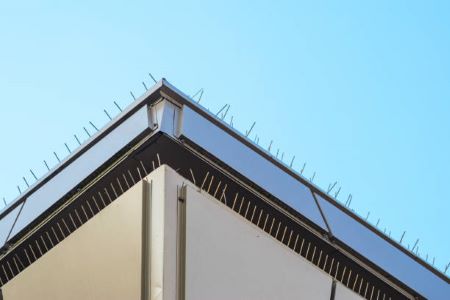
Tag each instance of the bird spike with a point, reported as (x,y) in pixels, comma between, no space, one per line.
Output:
(337,193)
(226,112)
(34,175)
(67,147)
(403,235)
(223,107)
(303,168)
(45,162)
(247,133)
(107,114)
(292,161)
(132,95)
(151,76)
(56,155)
(145,86)
(87,132)
(92,124)
(117,105)
(76,138)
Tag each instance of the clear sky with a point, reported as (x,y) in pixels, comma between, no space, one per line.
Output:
(360,91)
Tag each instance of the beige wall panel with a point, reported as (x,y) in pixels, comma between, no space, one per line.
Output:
(100,260)
(344,293)
(227,257)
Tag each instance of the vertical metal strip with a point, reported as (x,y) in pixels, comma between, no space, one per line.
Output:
(322,213)
(181,244)
(333,290)
(146,239)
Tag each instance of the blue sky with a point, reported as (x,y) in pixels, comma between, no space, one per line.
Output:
(359,91)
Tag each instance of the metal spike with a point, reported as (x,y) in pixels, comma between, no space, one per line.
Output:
(117,105)
(303,168)
(34,175)
(56,155)
(349,200)
(92,124)
(75,136)
(247,133)
(231,121)
(106,113)
(270,146)
(292,162)
(368,214)
(20,191)
(196,93)
(67,147)
(87,132)
(151,76)
(446,268)
(337,193)
(282,156)
(403,235)
(46,165)
(132,95)
(221,109)
(4,201)
(226,112)
(312,178)
(331,187)
(415,244)
(143,83)
(26,182)
(200,97)
(378,222)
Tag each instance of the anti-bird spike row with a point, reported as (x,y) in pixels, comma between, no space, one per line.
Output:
(153,78)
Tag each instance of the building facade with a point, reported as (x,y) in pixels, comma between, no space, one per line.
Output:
(170,202)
